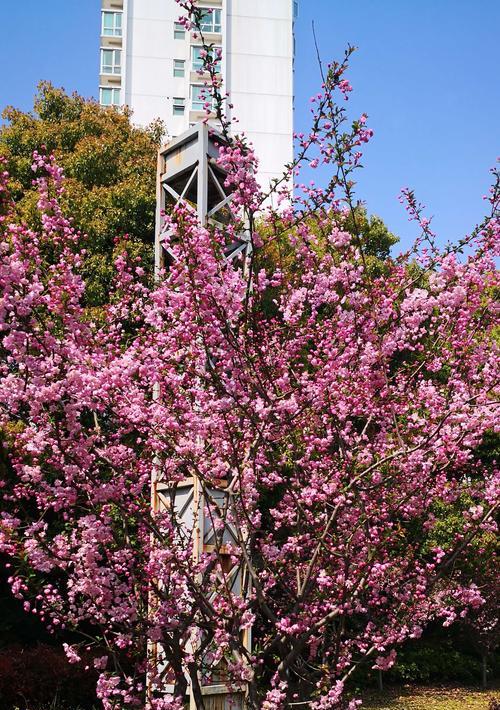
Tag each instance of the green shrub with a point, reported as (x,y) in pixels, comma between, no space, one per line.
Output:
(435,663)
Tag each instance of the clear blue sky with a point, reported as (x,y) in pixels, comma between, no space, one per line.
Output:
(426,73)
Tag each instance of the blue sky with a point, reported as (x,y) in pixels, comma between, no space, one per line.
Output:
(426,73)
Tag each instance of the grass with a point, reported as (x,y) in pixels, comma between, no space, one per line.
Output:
(414,698)
(446,698)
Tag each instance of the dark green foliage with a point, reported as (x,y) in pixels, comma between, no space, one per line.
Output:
(110,168)
(376,240)
(435,663)
(489,450)
(442,655)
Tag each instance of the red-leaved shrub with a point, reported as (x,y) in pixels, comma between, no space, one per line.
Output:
(36,675)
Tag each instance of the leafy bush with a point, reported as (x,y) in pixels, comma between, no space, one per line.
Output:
(431,663)
(440,656)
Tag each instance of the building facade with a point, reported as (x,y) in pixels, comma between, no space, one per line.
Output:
(150,63)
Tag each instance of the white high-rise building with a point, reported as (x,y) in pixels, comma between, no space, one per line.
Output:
(150,63)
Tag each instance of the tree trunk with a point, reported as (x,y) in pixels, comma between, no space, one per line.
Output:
(484,671)
(196,687)
(380,681)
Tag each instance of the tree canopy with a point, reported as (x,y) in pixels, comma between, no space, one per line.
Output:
(110,169)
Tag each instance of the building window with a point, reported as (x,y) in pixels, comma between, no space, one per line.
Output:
(109,96)
(211,20)
(200,96)
(111,61)
(197,59)
(111,24)
(179,68)
(179,30)
(179,105)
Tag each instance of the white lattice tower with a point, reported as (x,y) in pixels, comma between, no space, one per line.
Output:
(188,174)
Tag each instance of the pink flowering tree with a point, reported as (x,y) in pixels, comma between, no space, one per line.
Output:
(337,408)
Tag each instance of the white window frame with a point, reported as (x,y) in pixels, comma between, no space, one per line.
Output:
(116,67)
(179,68)
(114,90)
(178,106)
(115,31)
(179,30)
(211,26)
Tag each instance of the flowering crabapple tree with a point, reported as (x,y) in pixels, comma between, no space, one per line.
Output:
(336,414)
